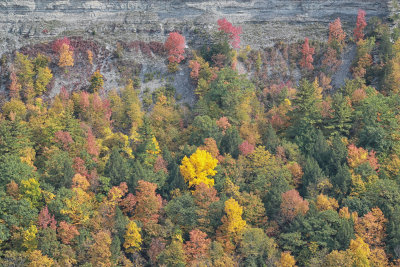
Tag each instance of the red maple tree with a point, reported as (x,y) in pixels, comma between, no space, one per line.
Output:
(361,24)
(232,31)
(246,148)
(45,219)
(175,45)
(307,55)
(293,204)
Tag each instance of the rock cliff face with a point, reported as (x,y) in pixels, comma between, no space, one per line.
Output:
(24,23)
(263,21)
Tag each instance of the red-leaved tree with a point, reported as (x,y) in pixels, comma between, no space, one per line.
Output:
(361,24)
(45,219)
(57,44)
(246,148)
(307,55)
(91,144)
(292,205)
(175,45)
(232,31)
(63,138)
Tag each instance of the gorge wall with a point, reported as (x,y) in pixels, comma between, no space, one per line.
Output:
(24,23)
(264,21)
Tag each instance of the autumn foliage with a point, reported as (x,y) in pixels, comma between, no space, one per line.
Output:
(240,159)
(361,24)
(293,204)
(232,31)
(336,34)
(307,55)
(66,56)
(198,168)
(175,45)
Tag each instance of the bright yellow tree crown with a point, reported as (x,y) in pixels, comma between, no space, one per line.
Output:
(234,213)
(198,168)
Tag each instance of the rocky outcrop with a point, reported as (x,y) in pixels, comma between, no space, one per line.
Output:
(263,21)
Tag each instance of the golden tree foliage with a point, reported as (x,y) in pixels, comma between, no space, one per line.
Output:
(43,78)
(197,169)
(165,121)
(345,213)
(30,190)
(133,239)
(66,56)
(90,56)
(15,108)
(233,219)
(99,252)
(154,147)
(326,203)
(79,206)
(80,181)
(29,238)
(360,252)
(286,260)
(378,258)
(38,260)
(338,258)
(28,156)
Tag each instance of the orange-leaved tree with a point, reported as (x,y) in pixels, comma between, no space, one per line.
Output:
(336,35)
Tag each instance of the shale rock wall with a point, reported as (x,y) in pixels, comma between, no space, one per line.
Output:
(264,21)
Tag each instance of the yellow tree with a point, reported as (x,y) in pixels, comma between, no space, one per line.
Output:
(90,56)
(133,239)
(43,78)
(324,202)
(338,258)
(80,206)
(31,191)
(99,252)
(66,56)
(38,260)
(30,241)
(198,168)
(15,108)
(360,252)
(233,219)
(286,260)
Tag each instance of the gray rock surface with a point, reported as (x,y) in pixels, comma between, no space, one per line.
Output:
(29,22)
(263,21)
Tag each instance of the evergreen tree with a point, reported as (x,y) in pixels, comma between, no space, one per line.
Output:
(116,168)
